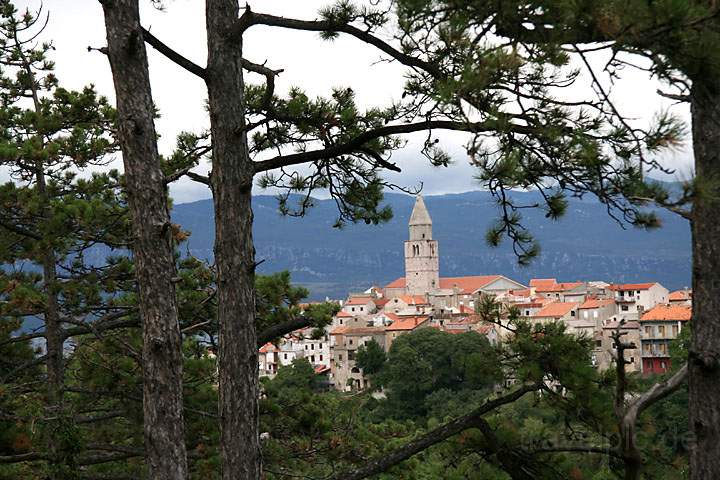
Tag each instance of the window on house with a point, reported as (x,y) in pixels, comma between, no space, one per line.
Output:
(661,330)
(572,313)
(305,347)
(340,357)
(285,356)
(675,330)
(351,356)
(321,358)
(340,321)
(312,346)
(632,359)
(648,331)
(312,358)
(647,348)
(352,308)
(624,308)
(598,343)
(527,313)
(595,314)
(585,314)
(662,365)
(350,342)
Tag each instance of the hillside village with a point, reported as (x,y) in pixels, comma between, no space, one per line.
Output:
(647,313)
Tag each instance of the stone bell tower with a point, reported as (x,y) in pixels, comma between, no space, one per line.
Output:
(422,265)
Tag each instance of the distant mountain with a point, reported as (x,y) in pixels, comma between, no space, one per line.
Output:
(586,244)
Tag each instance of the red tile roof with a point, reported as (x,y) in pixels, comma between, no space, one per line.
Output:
(680,295)
(525,292)
(344,314)
(668,312)
(597,303)
(467,285)
(407,323)
(414,299)
(558,287)
(556,309)
(320,369)
(380,302)
(540,282)
(632,286)
(358,300)
(268,347)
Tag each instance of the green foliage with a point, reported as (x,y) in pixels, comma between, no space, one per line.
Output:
(426,361)
(370,358)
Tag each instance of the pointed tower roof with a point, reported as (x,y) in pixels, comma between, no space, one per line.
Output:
(420,215)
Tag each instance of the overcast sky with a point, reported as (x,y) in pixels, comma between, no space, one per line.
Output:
(309,62)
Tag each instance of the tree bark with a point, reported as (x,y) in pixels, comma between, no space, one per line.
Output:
(704,364)
(231,182)
(152,248)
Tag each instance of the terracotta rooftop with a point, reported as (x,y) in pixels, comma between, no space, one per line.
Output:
(407,323)
(556,309)
(680,295)
(467,285)
(268,347)
(558,287)
(540,282)
(597,303)
(668,312)
(359,300)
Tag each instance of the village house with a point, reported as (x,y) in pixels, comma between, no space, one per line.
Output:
(345,375)
(359,305)
(408,305)
(555,312)
(634,299)
(658,327)
(680,297)
(605,353)
(403,324)
(597,311)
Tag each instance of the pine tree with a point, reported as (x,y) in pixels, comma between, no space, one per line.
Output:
(55,223)
(460,77)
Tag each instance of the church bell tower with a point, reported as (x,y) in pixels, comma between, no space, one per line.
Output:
(422,265)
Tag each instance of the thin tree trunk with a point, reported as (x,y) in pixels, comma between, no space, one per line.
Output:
(704,365)
(152,247)
(54,338)
(54,353)
(231,180)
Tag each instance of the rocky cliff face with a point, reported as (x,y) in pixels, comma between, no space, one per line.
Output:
(585,245)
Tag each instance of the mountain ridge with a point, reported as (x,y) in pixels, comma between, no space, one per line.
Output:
(586,244)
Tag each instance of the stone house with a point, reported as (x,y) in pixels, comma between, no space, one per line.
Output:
(658,328)
(605,353)
(345,375)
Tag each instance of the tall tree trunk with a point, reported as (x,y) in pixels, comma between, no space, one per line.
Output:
(152,246)
(232,179)
(54,338)
(60,467)
(704,365)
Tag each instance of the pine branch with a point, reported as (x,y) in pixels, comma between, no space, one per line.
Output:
(433,437)
(357,143)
